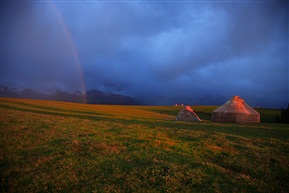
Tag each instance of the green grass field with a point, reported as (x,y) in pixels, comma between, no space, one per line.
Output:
(49,146)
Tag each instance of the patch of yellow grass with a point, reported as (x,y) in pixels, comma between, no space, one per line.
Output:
(120,111)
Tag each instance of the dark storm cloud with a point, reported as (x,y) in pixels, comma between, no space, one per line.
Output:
(160,52)
(35,50)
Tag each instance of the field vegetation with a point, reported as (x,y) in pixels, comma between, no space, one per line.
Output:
(49,146)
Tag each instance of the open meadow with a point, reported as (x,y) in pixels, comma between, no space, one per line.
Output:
(49,146)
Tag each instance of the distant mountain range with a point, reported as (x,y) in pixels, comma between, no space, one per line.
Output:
(92,96)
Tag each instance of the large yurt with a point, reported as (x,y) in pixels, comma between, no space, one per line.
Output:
(235,110)
(187,114)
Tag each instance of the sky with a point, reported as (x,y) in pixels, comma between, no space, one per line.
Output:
(159,52)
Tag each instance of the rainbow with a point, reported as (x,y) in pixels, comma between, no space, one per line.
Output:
(72,46)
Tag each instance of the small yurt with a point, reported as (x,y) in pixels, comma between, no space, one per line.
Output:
(235,110)
(187,114)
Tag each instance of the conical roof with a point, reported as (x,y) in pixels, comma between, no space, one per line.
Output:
(187,114)
(236,110)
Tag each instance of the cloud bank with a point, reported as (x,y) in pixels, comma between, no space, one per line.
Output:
(159,52)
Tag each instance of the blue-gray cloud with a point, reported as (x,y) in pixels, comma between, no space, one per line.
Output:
(160,52)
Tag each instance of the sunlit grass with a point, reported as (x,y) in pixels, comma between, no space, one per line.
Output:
(49,146)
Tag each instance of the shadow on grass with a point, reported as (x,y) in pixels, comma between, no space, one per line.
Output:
(256,130)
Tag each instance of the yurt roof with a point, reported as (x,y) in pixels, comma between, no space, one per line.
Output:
(236,105)
(187,114)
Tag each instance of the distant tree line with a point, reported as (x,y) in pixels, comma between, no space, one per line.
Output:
(284,116)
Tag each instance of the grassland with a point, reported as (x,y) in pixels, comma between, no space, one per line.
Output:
(49,146)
